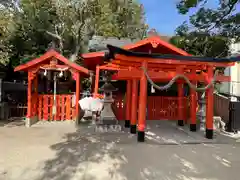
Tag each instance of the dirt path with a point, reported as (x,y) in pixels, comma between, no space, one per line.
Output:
(61,152)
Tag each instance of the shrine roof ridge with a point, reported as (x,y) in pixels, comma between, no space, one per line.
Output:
(47,56)
(113,50)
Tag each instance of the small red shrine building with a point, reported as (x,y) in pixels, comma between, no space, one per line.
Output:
(162,62)
(128,63)
(52,105)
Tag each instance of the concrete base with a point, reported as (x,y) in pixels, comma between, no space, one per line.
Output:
(4,112)
(141,136)
(133,129)
(30,121)
(180,122)
(127,124)
(209,133)
(193,127)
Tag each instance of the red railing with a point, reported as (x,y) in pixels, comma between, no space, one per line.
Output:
(166,108)
(64,109)
(119,107)
(158,108)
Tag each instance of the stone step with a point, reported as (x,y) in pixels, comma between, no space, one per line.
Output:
(106,128)
(108,122)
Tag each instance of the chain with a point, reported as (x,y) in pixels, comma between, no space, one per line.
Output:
(173,80)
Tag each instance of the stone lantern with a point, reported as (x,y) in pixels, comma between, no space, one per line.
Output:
(201,114)
(107,115)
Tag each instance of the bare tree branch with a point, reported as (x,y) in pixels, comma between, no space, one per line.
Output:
(231,6)
(56,36)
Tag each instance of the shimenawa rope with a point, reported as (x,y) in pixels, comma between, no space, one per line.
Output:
(179,76)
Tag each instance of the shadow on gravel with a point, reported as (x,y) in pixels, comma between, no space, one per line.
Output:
(85,155)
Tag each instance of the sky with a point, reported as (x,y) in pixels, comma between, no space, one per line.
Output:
(163,15)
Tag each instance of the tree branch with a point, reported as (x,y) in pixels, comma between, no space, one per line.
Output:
(56,36)
(231,7)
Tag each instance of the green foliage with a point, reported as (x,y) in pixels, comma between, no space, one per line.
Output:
(200,44)
(126,20)
(224,20)
(6,29)
(209,31)
(184,5)
(68,25)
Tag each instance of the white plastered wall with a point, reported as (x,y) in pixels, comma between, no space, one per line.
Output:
(233,87)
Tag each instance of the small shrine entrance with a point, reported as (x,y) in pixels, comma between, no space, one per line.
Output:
(149,68)
(159,106)
(155,109)
(153,60)
(53,87)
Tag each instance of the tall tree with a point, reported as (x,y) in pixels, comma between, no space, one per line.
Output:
(209,31)
(224,20)
(71,24)
(6,28)
(201,44)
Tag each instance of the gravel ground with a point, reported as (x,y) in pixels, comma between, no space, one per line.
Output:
(60,151)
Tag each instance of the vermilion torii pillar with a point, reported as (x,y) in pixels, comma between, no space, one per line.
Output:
(142,105)
(29,109)
(128,103)
(78,81)
(180,100)
(134,106)
(193,103)
(193,109)
(209,105)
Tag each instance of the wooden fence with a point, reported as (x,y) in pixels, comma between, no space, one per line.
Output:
(221,107)
(64,109)
(158,108)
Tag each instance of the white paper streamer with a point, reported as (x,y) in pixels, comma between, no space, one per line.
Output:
(91,104)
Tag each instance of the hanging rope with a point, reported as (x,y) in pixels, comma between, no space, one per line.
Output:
(172,81)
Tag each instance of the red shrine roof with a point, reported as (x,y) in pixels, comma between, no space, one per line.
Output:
(46,57)
(154,44)
(131,56)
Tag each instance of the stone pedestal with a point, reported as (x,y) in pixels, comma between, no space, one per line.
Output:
(107,115)
(30,121)
(201,116)
(108,121)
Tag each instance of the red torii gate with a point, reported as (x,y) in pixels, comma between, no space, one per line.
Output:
(136,61)
(159,70)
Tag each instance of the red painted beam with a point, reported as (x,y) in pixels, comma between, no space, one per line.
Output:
(169,61)
(157,65)
(161,75)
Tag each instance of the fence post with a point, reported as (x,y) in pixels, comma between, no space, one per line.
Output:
(232,114)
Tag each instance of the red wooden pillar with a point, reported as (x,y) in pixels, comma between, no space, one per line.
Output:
(180,100)
(142,106)
(93,84)
(209,105)
(29,109)
(96,81)
(128,103)
(35,96)
(77,93)
(134,106)
(193,109)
